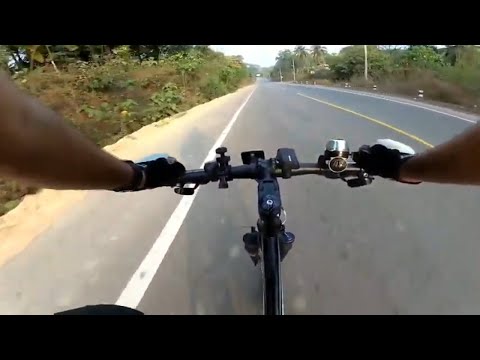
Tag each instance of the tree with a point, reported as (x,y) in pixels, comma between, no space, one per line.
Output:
(300,52)
(432,47)
(422,56)
(144,52)
(204,49)
(283,64)
(18,55)
(318,54)
(351,62)
(389,47)
(452,53)
(302,58)
(284,60)
(284,55)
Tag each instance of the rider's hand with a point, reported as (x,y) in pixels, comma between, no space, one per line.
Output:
(153,174)
(382,161)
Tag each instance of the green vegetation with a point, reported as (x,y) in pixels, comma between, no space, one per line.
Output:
(449,74)
(110,91)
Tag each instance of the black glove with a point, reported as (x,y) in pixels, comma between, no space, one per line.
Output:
(382,161)
(153,174)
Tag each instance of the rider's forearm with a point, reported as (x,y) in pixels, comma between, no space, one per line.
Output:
(38,147)
(456,161)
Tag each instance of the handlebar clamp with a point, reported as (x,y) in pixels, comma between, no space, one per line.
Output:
(223,167)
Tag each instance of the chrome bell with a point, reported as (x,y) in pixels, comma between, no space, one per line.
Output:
(336,148)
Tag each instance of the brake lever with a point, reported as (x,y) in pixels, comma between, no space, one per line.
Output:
(353,183)
(362,179)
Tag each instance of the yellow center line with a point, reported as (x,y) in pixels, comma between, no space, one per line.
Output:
(400,131)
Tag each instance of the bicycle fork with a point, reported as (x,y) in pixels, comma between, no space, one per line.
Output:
(253,246)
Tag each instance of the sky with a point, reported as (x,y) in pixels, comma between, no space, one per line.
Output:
(263,55)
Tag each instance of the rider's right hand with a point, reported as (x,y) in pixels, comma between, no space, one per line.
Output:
(382,161)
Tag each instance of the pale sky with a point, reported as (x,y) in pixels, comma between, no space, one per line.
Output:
(263,55)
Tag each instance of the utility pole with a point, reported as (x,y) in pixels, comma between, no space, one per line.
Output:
(293,65)
(281,77)
(366,63)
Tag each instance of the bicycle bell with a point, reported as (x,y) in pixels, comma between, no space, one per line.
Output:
(336,154)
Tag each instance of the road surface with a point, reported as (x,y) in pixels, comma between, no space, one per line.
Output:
(383,249)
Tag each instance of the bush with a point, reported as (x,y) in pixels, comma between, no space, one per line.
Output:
(213,88)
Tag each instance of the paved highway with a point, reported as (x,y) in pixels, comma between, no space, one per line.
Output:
(384,249)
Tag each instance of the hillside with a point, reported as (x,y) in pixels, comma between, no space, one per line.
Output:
(110,91)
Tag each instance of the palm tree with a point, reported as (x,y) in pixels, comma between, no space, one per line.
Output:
(301,58)
(318,53)
(300,52)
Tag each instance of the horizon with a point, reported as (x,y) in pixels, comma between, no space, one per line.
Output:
(263,55)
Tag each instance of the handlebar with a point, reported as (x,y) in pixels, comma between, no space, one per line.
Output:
(333,164)
(202,177)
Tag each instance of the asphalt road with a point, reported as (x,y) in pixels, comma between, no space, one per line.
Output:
(384,249)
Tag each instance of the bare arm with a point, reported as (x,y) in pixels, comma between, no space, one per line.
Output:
(456,161)
(38,147)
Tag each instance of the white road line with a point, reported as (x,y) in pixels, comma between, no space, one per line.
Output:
(395,101)
(141,279)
